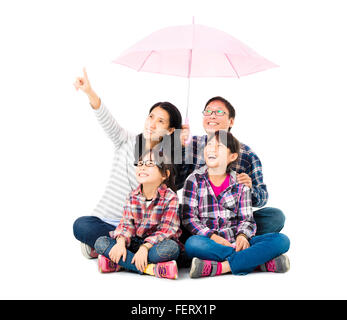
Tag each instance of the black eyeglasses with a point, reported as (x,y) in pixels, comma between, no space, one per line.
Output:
(218,113)
(147,163)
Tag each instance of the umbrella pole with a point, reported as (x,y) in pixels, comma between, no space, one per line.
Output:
(187,141)
(188,76)
(188,95)
(188,92)
(190,70)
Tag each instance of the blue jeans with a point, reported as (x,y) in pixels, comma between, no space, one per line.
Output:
(262,249)
(165,250)
(88,229)
(268,220)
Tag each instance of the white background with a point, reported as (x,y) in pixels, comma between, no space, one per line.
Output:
(55,159)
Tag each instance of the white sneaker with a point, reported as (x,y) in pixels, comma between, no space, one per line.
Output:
(88,252)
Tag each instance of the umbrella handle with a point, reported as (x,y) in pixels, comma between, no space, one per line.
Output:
(190,135)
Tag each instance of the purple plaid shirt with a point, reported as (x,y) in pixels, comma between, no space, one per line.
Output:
(248,163)
(227,215)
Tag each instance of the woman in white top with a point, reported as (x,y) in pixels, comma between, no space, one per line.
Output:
(162,121)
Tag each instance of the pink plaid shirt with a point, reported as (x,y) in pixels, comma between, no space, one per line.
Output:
(159,221)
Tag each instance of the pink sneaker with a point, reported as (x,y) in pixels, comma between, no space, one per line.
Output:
(106,265)
(166,270)
(204,268)
(280,264)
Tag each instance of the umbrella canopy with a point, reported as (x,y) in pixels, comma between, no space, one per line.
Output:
(193,51)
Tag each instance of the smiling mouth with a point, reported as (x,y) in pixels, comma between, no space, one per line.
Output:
(212,123)
(143,174)
(211,157)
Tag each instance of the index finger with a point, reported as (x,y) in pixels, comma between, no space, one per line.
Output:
(85,73)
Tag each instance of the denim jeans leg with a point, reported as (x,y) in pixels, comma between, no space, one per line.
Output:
(89,228)
(204,248)
(165,250)
(268,220)
(104,244)
(262,249)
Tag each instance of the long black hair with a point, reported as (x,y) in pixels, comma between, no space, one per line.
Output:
(228,140)
(169,142)
(174,113)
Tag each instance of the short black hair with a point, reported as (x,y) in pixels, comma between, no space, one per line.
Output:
(226,103)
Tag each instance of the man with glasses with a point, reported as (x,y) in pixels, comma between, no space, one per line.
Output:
(219,114)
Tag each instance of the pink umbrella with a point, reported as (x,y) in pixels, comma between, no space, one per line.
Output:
(193,51)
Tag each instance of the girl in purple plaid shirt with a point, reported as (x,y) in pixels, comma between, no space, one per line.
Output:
(146,239)
(218,212)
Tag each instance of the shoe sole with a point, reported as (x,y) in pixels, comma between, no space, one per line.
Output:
(85,251)
(176,275)
(286,264)
(99,265)
(192,268)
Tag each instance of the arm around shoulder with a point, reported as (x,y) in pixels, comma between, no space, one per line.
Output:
(254,170)
(246,225)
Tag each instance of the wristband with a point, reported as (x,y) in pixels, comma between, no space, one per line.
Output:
(243,235)
(142,245)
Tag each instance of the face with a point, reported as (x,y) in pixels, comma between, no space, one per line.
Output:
(157,125)
(148,174)
(217,155)
(213,122)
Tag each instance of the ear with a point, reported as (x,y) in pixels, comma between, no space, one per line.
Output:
(167,175)
(232,157)
(170,131)
(231,122)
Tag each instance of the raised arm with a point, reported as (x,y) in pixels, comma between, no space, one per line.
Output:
(115,132)
(82,83)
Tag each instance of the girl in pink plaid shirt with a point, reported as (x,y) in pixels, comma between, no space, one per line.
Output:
(218,212)
(146,240)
